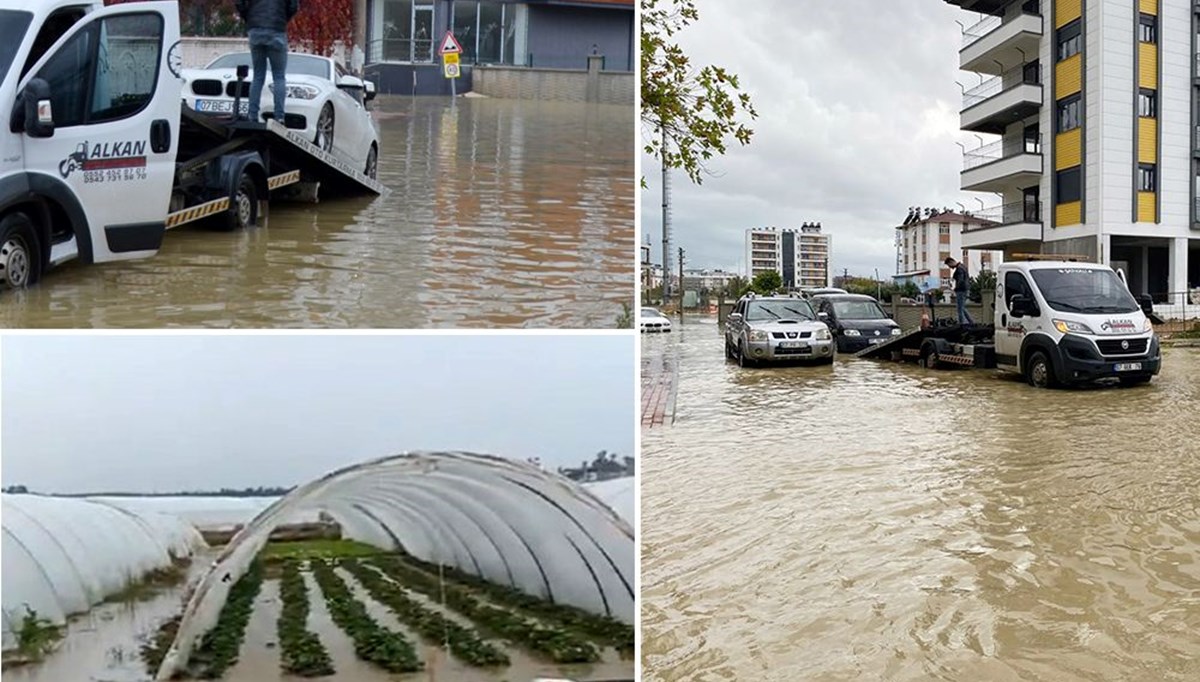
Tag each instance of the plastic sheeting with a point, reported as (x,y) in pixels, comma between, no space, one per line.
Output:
(507,521)
(205,513)
(617,493)
(64,555)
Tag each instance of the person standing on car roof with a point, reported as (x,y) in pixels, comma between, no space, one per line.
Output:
(962,286)
(267,21)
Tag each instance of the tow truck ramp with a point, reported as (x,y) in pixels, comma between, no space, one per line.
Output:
(939,345)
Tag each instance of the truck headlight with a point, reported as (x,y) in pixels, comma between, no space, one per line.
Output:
(824,335)
(295,91)
(852,332)
(1149,326)
(1069,327)
(758,335)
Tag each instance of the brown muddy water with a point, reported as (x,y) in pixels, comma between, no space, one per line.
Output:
(881,522)
(501,214)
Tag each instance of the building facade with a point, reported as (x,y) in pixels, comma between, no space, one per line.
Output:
(707,280)
(800,255)
(1096,104)
(928,236)
(403,37)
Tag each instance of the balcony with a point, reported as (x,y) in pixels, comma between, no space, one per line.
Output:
(1002,100)
(1006,225)
(1002,165)
(994,42)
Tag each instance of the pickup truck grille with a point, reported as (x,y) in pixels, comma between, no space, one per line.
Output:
(1115,347)
(790,335)
(207,87)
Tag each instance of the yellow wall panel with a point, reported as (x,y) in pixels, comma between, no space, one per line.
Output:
(1067,77)
(1148,65)
(1148,7)
(1067,214)
(1066,11)
(1147,140)
(1147,207)
(1068,149)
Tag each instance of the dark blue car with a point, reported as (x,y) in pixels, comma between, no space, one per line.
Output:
(857,321)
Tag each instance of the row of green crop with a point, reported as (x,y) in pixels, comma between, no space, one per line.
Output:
(301,652)
(219,647)
(598,628)
(372,642)
(465,644)
(560,646)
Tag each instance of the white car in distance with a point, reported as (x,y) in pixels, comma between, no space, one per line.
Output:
(324,101)
(652,321)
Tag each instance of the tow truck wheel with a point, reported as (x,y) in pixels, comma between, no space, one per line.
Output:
(20,262)
(372,168)
(324,138)
(243,206)
(1040,373)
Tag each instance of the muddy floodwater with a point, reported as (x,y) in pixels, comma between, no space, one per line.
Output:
(501,214)
(878,521)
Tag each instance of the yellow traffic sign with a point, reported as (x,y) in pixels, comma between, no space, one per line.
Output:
(451,70)
(450,58)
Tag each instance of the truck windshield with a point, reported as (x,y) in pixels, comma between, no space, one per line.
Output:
(297,64)
(13,25)
(858,310)
(1084,290)
(779,310)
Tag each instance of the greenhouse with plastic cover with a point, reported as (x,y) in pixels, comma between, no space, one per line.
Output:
(468,566)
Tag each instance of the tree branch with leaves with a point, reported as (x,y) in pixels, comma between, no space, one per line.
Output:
(690,115)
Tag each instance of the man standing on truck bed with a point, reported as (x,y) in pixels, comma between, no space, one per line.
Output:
(267,22)
(962,286)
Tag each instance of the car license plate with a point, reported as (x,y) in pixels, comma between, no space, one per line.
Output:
(1127,366)
(221,106)
(874,341)
(792,344)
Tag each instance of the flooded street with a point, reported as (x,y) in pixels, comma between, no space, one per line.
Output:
(879,521)
(502,214)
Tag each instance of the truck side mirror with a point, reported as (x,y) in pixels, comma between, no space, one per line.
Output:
(1020,306)
(369,93)
(34,115)
(1147,303)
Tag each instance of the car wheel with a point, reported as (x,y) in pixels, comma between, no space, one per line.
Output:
(743,361)
(372,168)
(1040,373)
(324,136)
(20,254)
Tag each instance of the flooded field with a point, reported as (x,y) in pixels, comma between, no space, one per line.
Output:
(879,521)
(501,214)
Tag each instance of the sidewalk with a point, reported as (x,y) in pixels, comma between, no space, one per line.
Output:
(660,381)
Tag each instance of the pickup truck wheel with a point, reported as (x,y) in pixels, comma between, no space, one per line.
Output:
(743,361)
(324,137)
(243,205)
(20,255)
(1040,373)
(728,349)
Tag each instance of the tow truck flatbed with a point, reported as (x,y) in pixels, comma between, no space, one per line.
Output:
(940,344)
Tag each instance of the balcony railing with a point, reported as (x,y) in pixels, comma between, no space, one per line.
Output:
(1010,214)
(973,33)
(998,84)
(996,151)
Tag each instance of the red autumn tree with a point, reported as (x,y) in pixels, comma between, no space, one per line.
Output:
(322,23)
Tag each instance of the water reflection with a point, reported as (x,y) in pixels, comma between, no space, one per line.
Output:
(503,213)
(885,522)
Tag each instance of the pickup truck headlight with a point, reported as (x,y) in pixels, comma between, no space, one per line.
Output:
(295,91)
(895,331)
(1069,327)
(852,332)
(758,336)
(824,335)
(1149,326)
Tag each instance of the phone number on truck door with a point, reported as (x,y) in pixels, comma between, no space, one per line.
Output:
(114,175)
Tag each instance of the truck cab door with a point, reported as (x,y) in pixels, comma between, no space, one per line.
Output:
(1011,329)
(114,99)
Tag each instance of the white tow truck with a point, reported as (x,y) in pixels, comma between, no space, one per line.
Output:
(1057,322)
(99,156)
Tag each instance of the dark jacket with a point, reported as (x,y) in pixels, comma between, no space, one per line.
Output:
(962,281)
(269,14)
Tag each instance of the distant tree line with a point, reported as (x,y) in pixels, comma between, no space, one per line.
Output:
(603,466)
(260,491)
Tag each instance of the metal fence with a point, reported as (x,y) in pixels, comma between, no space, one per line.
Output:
(1012,213)
(998,84)
(985,26)
(995,151)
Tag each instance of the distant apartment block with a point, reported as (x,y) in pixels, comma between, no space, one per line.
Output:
(1096,109)
(800,255)
(706,280)
(927,237)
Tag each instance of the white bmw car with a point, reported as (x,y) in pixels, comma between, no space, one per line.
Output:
(323,99)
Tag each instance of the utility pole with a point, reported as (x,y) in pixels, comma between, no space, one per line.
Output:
(666,225)
(878,286)
(681,282)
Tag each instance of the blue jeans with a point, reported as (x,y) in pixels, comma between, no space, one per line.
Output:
(960,297)
(267,45)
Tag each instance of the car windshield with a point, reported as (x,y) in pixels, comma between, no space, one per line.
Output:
(297,64)
(651,312)
(779,310)
(858,310)
(13,25)
(1084,290)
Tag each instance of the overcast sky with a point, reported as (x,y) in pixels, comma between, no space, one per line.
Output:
(93,413)
(858,119)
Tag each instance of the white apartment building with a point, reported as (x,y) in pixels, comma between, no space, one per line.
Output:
(800,255)
(1096,105)
(704,279)
(928,236)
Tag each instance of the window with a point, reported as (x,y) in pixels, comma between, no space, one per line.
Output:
(1147,103)
(1014,285)
(1147,177)
(943,228)
(1068,113)
(1070,43)
(1148,28)
(1066,186)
